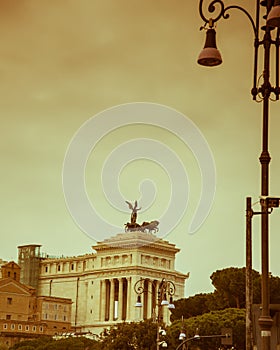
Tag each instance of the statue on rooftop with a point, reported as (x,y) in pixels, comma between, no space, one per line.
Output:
(134,209)
(151,227)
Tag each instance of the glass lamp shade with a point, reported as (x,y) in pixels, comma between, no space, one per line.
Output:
(182,336)
(273,18)
(138,302)
(210,55)
(171,306)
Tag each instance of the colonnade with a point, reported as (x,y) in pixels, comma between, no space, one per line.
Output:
(118,298)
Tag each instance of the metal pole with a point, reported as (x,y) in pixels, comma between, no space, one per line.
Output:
(249,290)
(265,320)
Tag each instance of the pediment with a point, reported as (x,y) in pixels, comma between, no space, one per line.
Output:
(11,286)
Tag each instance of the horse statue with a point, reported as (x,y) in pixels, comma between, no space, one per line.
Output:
(151,227)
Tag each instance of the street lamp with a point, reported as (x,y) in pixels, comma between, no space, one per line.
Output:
(210,56)
(165,289)
(198,337)
(182,335)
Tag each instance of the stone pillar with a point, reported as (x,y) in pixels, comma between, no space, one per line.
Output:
(120,300)
(150,296)
(128,305)
(112,299)
(102,300)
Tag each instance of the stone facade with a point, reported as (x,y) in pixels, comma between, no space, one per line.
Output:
(101,284)
(23,315)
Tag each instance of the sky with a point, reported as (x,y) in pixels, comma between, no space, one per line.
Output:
(72,66)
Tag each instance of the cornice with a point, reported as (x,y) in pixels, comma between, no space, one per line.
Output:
(137,241)
(128,271)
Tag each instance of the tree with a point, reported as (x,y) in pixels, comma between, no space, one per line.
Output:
(192,306)
(230,285)
(210,323)
(47,343)
(131,336)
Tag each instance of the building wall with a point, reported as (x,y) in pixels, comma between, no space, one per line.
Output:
(101,285)
(23,315)
(10,270)
(16,302)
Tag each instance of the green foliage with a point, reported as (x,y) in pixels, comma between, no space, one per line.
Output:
(229,292)
(34,344)
(230,286)
(210,323)
(274,290)
(192,306)
(131,336)
(44,343)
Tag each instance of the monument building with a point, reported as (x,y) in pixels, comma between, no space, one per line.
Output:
(102,285)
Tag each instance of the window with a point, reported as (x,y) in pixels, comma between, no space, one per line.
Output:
(13,326)
(34,328)
(72,266)
(15,275)
(8,317)
(5,326)
(64,318)
(41,329)
(58,267)
(27,328)
(46,269)
(19,327)
(9,274)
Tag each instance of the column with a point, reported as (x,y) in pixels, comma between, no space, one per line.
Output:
(112,299)
(120,299)
(128,305)
(102,301)
(150,297)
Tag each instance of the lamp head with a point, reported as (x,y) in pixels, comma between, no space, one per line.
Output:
(138,302)
(273,18)
(164,300)
(182,335)
(210,55)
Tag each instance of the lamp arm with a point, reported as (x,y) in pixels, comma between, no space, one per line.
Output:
(211,9)
(226,15)
(198,337)
(139,286)
(222,13)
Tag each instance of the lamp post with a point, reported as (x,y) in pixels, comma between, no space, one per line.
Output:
(182,335)
(198,337)
(210,56)
(165,289)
